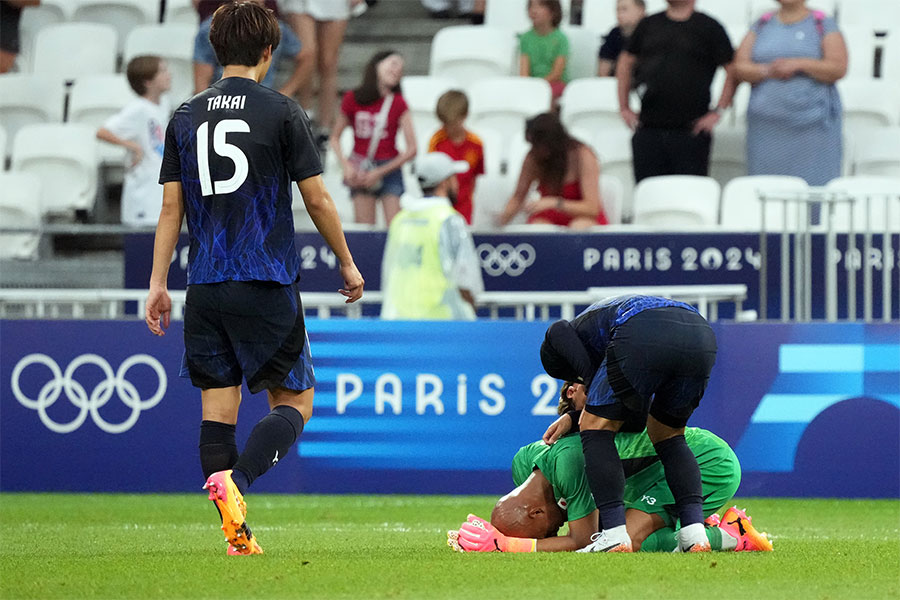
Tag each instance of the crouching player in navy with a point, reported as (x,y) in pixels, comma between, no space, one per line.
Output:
(553,489)
(231,155)
(644,358)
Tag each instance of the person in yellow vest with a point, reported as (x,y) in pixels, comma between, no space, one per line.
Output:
(430,270)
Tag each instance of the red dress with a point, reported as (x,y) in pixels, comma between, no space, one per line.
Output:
(570,191)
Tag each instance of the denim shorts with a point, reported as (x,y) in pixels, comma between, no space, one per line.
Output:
(391,184)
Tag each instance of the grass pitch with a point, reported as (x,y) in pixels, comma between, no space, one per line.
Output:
(169,546)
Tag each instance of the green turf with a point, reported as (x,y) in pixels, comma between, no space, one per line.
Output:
(168,546)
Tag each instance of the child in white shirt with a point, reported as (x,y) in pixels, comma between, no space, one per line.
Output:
(141,127)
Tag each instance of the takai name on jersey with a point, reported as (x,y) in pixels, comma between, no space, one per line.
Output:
(226,102)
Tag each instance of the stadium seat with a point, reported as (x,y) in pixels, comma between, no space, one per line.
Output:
(614,151)
(612,194)
(421,93)
(175,43)
(890,59)
(599,15)
(860,41)
(121,15)
(869,103)
(513,14)
(877,15)
(491,194)
(504,103)
(3,140)
(584,47)
(93,100)
(29,99)
(728,158)
(517,149)
(180,11)
(730,13)
(878,153)
(742,207)
(676,202)
(467,53)
(35,18)
(61,50)
(494,150)
(20,207)
(591,104)
(871,190)
(64,157)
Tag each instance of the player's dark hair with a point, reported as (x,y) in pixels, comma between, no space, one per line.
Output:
(555,9)
(367,92)
(241,31)
(565,403)
(550,146)
(140,70)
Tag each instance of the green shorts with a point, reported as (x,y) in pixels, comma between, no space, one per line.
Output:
(720,472)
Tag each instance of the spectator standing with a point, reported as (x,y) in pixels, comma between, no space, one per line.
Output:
(544,49)
(10,15)
(320,25)
(672,57)
(792,58)
(568,176)
(375,110)
(628,14)
(430,269)
(138,127)
(454,140)
(207,69)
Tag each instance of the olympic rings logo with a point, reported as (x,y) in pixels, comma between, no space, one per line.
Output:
(78,396)
(506,259)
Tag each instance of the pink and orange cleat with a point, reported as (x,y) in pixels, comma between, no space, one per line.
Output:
(737,524)
(230,503)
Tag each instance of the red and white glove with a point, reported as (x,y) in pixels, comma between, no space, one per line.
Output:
(478,535)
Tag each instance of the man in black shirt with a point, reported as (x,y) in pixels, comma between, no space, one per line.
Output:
(670,60)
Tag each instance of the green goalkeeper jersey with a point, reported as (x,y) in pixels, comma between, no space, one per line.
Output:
(563,466)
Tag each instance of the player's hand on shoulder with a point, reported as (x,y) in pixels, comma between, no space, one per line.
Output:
(557,429)
(353,282)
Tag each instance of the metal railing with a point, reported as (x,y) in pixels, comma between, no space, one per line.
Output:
(528,306)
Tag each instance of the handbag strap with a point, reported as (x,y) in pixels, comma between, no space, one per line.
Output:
(380,124)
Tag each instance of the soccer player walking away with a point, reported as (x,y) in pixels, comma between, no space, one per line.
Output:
(641,356)
(231,155)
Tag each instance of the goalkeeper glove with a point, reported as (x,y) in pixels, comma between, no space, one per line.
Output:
(478,535)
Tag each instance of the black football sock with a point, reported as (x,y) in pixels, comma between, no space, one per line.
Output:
(605,476)
(218,450)
(683,478)
(269,442)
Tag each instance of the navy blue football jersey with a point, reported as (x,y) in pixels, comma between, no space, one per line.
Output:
(236,148)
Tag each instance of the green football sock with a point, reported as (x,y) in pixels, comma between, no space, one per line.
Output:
(664,540)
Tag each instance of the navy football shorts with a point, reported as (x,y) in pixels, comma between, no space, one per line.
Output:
(658,361)
(246,329)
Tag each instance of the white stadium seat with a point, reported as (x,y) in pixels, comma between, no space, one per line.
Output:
(121,15)
(181,11)
(495,150)
(175,43)
(513,14)
(584,49)
(861,44)
(93,100)
(591,104)
(880,194)
(421,93)
(467,53)
(612,196)
(491,194)
(890,60)
(35,18)
(878,153)
(676,202)
(3,140)
(29,99)
(64,157)
(878,15)
(742,207)
(613,148)
(62,50)
(728,158)
(599,15)
(869,103)
(20,207)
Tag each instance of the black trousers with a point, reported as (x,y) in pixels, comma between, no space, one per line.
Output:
(669,152)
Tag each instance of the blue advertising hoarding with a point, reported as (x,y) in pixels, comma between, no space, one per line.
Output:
(811,410)
(558,261)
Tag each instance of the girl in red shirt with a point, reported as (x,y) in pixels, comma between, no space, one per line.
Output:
(567,173)
(364,109)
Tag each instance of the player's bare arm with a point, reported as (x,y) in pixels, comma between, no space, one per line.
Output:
(323,213)
(159,303)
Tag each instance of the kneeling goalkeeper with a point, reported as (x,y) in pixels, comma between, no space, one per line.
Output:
(553,489)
